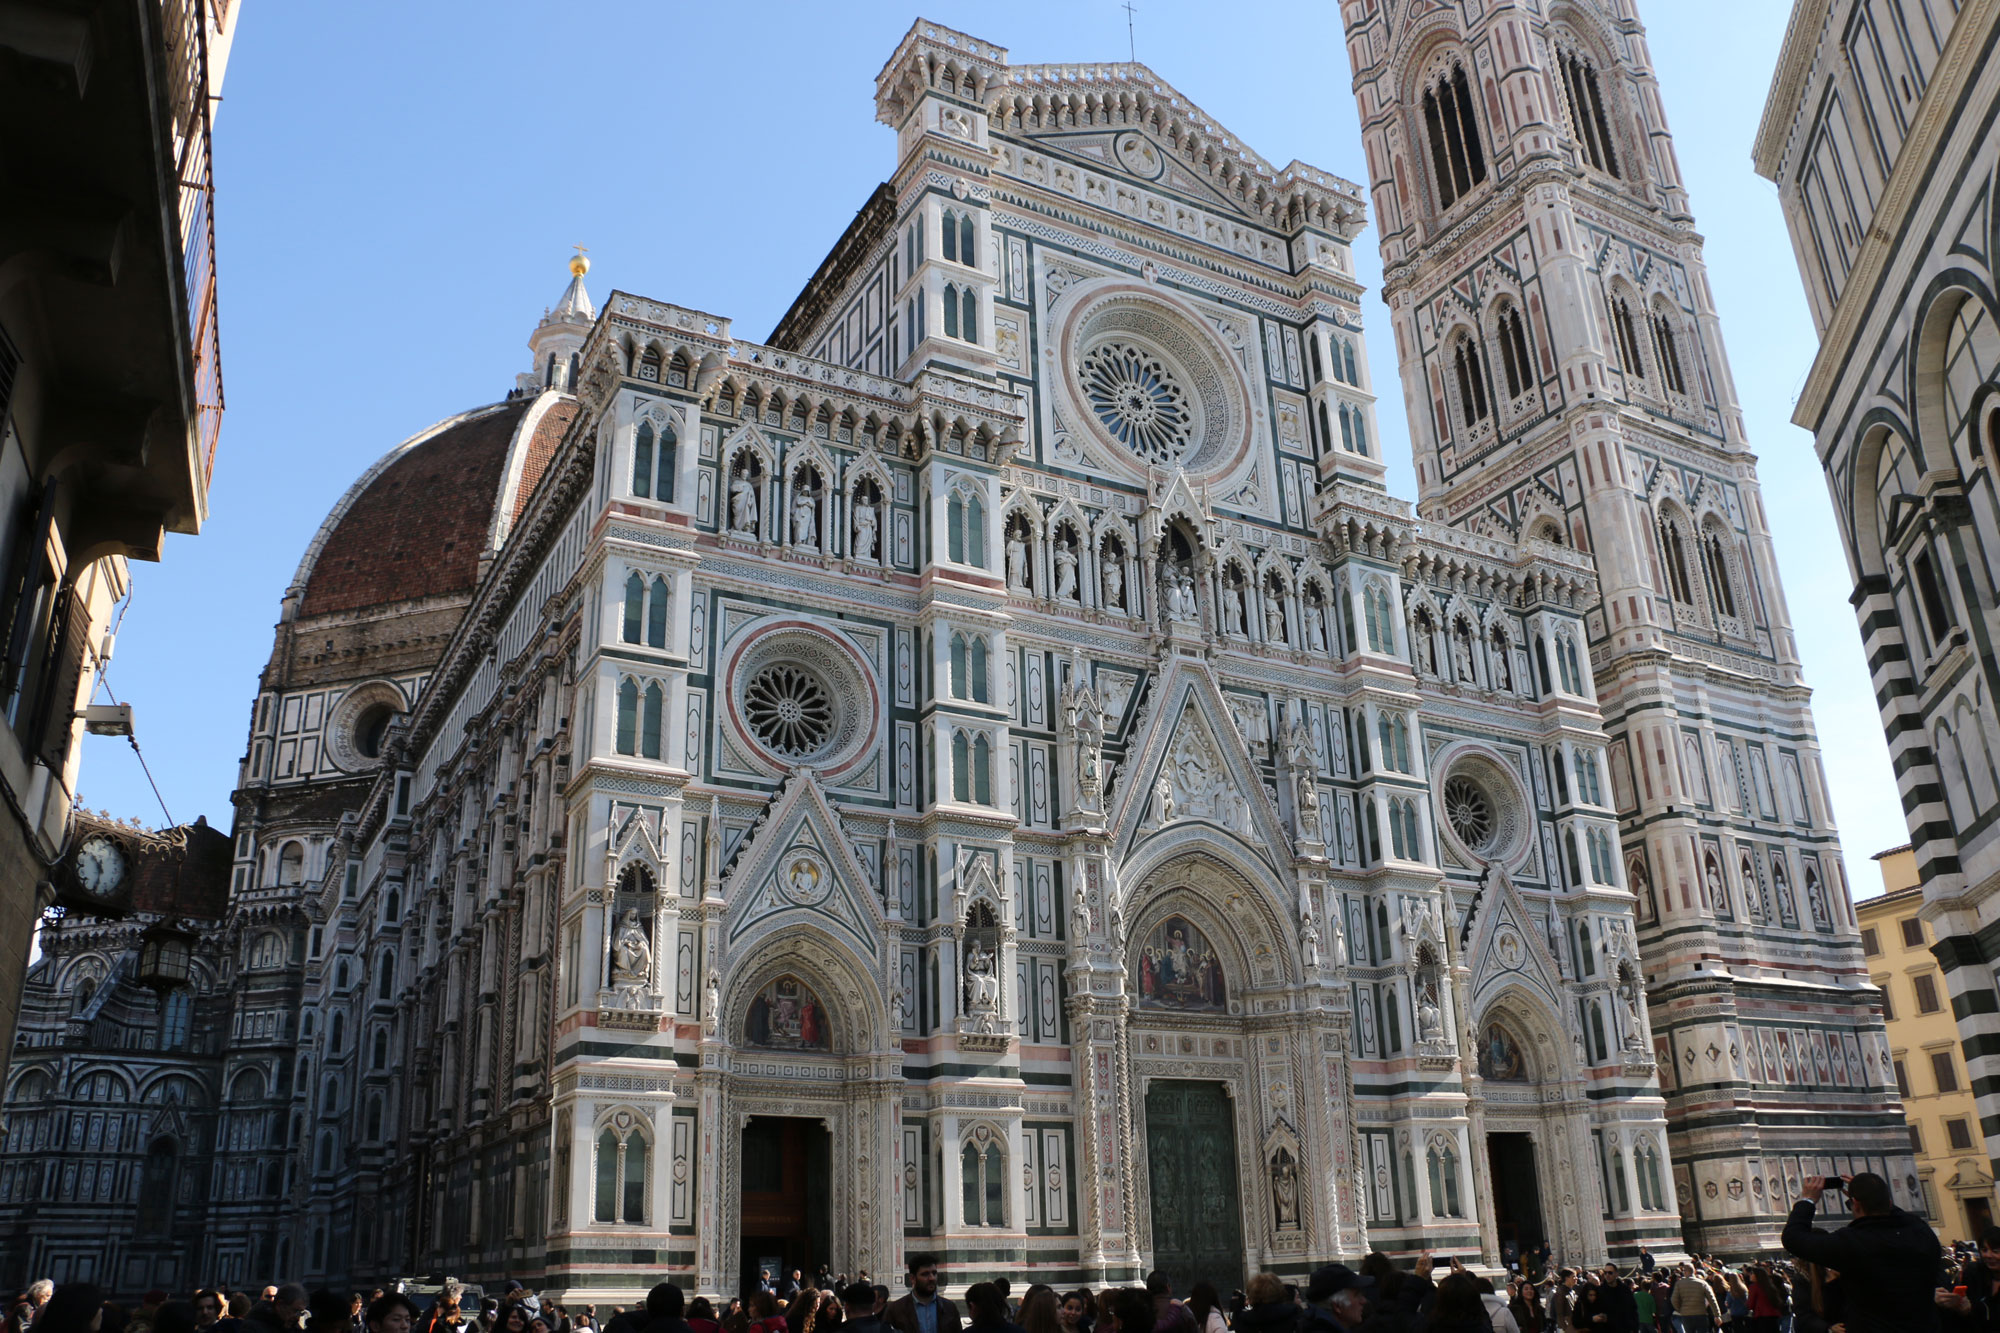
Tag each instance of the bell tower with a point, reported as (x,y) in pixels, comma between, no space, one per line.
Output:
(1565,378)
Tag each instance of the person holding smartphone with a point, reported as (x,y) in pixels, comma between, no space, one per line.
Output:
(1889,1260)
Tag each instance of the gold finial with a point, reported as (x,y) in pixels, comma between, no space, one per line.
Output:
(578,264)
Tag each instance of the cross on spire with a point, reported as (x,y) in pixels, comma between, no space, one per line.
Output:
(1131,39)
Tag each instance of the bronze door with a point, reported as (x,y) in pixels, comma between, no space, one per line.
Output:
(1191,1157)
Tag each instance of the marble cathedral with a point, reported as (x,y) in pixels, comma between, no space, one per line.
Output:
(991,770)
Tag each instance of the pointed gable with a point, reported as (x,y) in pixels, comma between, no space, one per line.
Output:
(797,868)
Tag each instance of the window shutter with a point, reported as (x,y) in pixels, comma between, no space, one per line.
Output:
(27,570)
(63,675)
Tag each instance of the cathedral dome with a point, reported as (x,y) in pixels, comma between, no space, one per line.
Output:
(418,522)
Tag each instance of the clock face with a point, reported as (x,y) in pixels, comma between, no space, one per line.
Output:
(100,865)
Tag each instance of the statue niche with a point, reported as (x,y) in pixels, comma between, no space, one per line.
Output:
(979,962)
(1177,968)
(629,950)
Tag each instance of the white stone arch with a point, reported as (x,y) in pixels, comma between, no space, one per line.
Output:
(1620,286)
(1019,507)
(810,453)
(1234,567)
(1425,642)
(1163,877)
(1502,294)
(748,452)
(1313,578)
(856,1008)
(1670,515)
(867,467)
(1273,566)
(1067,513)
(1111,531)
(623,1119)
(1463,424)
(1535,1020)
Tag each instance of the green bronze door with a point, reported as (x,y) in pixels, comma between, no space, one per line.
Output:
(1191,1157)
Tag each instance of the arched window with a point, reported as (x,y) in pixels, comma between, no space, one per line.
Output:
(1597,1042)
(642,461)
(983,1184)
(650,723)
(378,1056)
(1471,376)
(979,670)
(329,1100)
(1715,572)
(392,906)
(656,614)
(628,716)
(1673,557)
(968,252)
(1347,354)
(1586,961)
(1444,1178)
(176,1007)
(607,1175)
(960,667)
(1587,121)
(1325,432)
(1646,1160)
(1514,352)
(1346,429)
(337,1033)
(665,473)
(949,232)
(961,767)
(1312,343)
(374,1125)
(1666,351)
(965,526)
(635,608)
(951,310)
(1452,128)
(292,864)
(969,322)
(1628,341)
(982,770)
(621,1176)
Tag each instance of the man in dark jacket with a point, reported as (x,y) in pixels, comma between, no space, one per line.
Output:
(857,1303)
(1889,1261)
(923,1310)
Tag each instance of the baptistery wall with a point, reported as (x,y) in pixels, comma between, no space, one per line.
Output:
(990,770)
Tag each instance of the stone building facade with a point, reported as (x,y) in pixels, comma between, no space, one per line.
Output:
(1879,134)
(1565,378)
(989,769)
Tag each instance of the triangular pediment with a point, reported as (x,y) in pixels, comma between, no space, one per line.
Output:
(1191,766)
(1505,944)
(799,869)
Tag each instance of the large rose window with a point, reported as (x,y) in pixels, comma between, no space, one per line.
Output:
(1137,397)
(789,709)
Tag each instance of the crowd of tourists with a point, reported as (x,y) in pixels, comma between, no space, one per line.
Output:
(1883,1272)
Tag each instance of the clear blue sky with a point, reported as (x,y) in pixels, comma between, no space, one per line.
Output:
(399,186)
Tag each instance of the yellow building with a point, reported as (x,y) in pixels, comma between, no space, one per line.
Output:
(1923,1037)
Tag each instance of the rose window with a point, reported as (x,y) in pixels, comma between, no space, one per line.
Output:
(1469,812)
(1137,397)
(789,709)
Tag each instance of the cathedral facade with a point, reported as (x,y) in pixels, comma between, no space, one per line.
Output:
(1879,134)
(1565,379)
(989,770)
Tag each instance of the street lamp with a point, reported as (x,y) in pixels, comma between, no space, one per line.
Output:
(166,955)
